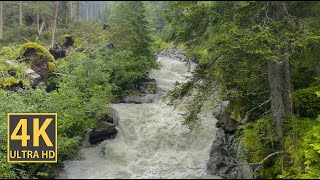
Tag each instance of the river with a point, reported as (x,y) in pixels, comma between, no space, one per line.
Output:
(151,141)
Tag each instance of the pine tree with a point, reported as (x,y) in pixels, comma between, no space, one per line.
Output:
(130,28)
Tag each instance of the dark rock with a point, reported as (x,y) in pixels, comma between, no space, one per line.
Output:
(29,19)
(147,86)
(59,53)
(68,41)
(14,86)
(112,117)
(224,157)
(226,122)
(174,53)
(106,26)
(103,131)
(110,45)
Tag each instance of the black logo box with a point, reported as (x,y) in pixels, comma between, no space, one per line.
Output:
(16,145)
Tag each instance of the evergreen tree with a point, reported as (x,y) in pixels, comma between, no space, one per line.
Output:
(130,28)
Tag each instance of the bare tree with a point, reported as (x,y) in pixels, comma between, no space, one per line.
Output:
(87,7)
(1,19)
(55,23)
(20,14)
(70,11)
(78,10)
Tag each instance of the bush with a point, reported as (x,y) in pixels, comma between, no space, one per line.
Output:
(306,103)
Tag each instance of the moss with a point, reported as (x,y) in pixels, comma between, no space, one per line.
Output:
(51,67)
(41,51)
(67,40)
(78,42)
(10,81)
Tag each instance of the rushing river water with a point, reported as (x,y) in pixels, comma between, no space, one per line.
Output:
(151,142)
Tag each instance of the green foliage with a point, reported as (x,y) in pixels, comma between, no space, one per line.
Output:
(41,51)
(259,140)
(129,28)
(306,102)
(312,152)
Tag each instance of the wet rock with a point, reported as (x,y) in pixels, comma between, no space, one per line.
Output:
(226,122)
(174,53)
(177,54)
(147,86)
(112,117)
(224,155)
(106,128)
(103,131)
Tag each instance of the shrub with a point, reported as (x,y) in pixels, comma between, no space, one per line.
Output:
(306,103)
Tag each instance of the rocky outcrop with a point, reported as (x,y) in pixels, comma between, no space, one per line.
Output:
(177,54)
(225,160)
(106,128)
(147,86)
(147,92)
(103,131)
(174,53)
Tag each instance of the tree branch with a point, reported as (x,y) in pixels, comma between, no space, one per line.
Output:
(258,163)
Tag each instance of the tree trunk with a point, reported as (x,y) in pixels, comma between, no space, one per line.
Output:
(55,24)
(279,78)
(280,91)
(38,18)
(78,10)
(87,11)
(70,11)
(1,19)
(20,14)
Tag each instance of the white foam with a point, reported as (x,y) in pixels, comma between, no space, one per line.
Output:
(151,142)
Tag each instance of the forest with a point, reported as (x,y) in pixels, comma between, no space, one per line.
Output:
(79,58)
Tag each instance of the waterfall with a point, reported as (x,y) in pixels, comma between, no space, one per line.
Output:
(151,140)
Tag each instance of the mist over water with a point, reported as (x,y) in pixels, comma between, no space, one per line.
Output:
(151,142)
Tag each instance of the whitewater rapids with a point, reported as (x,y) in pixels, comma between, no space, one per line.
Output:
(151,140)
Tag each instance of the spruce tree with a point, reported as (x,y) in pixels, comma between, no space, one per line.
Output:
(130,27)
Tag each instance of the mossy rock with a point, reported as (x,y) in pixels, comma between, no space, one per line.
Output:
(67,40)
(40,59)
(11,83)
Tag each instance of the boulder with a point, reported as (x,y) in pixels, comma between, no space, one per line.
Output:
(174,53)
(147,86)
(228,124)
(35,78)
(103,131)
(225,121)
(106,128)
(112,117)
